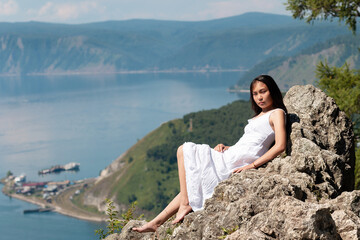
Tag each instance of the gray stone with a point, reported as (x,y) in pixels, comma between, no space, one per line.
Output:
(128,233)
(298,196)
(114,236)
(321,121)
(289,218)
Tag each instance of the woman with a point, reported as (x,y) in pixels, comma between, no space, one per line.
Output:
(202,168)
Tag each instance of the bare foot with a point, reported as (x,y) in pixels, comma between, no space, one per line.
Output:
(148,227)
(182,212)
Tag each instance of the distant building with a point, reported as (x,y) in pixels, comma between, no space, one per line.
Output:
(50,189)
(191,125)
(20,179)
(27,190)
(63,183)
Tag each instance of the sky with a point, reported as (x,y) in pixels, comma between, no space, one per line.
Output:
(84,11)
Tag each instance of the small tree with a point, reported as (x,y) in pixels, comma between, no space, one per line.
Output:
(114,223)
(342,84)
(347,10)
(9,173)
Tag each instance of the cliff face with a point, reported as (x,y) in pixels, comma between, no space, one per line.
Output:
(299,195)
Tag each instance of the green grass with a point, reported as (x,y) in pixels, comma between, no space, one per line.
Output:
(149,174)
(138,181)
(77,200)
(357,169)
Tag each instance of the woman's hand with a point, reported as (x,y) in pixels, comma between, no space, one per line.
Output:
(250,166)
(221,147)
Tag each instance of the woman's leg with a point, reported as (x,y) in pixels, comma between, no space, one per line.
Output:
(170,210)
(179,204)
(184,207)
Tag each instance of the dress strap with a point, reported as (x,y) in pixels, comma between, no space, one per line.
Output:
(271,111)
(277,109)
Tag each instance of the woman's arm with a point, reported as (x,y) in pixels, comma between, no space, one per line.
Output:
(277,122)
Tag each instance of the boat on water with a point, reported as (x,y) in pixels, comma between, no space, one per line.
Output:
(72,166)
(59,168)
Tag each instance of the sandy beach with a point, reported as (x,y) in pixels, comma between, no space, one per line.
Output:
(62,203)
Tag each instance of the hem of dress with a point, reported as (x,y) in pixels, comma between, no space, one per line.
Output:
(187,179)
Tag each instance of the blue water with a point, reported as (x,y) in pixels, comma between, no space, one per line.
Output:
(91,120)
(14,225)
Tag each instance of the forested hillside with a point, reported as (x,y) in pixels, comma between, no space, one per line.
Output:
(148,173)
(118,46)
(300,68)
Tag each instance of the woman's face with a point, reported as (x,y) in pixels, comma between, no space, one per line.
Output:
(261,96)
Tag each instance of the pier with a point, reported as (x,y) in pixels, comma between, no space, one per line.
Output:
(38,210)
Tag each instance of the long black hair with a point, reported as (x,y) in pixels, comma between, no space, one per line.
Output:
(275,93)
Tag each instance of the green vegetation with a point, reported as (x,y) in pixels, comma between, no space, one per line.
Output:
(223,125)
(149,172)
(357,168)
(78,200)
(347,10)
(227,232)
(151,177)
(170,229)
(341,83)
(114,223)
(8,174)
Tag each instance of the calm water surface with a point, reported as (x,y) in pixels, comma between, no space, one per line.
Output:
(91,120)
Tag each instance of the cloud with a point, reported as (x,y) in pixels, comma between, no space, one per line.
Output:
(45,9)
(8,8)
(51,11)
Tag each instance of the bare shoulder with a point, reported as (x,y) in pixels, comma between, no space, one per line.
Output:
(278,115)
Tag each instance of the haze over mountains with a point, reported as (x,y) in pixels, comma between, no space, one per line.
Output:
(300,68)
(238,42)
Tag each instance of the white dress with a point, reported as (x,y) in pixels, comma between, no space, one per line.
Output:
(205,167)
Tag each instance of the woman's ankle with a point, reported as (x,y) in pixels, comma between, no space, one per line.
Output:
(184,201)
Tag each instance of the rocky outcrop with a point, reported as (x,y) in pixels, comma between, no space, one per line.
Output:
(102,188)
(299,195)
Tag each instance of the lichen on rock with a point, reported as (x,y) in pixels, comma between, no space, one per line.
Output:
(303,195)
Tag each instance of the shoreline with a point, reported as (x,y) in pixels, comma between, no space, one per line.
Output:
(238,90)
(61,204)
(70,73)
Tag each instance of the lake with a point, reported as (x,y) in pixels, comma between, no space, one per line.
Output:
(89,119)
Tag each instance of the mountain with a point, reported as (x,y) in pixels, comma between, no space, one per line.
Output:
(300,68)
(237,42)
(241,49)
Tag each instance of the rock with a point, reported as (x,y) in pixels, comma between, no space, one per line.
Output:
(298,196)
(289,218)
(113,167)
(114,236)
(346,212)
(127,233)
(322,122)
